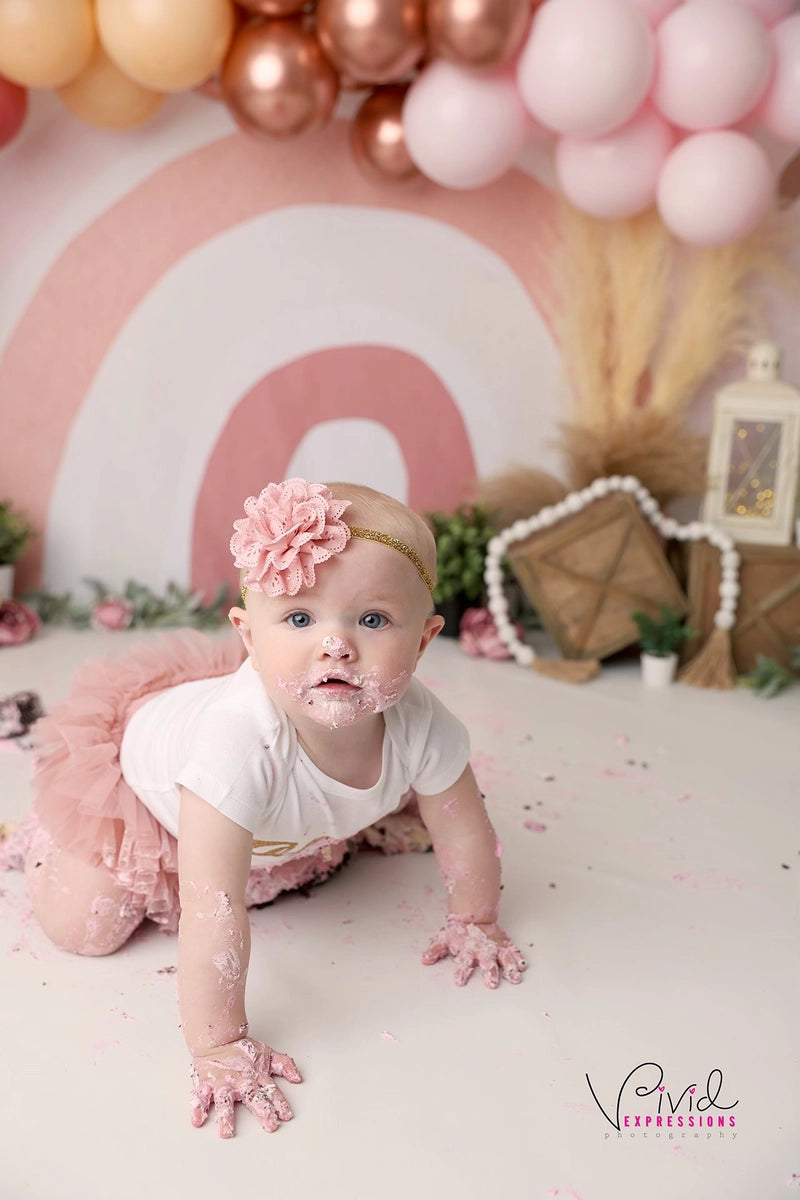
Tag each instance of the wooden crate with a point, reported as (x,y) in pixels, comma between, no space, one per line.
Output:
(587,574)
(768,615)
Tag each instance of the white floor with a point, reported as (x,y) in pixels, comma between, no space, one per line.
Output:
(651,860)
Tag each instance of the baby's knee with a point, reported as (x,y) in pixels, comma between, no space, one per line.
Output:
(80,908)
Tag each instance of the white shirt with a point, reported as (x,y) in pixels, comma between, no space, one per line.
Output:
(224,740)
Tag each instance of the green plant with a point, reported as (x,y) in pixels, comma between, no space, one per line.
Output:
(177,607)
(15,532)
(662,635)
(461,540)
(769,677)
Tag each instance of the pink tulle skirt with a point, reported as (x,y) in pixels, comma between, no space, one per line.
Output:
(82,800)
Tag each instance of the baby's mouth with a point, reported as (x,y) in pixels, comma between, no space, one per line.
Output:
(335,685)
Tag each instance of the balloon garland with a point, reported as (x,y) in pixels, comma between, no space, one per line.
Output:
(725,616)
(637,102)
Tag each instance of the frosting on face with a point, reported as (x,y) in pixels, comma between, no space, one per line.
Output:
(337,696)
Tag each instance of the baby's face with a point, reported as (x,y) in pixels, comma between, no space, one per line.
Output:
(347,647)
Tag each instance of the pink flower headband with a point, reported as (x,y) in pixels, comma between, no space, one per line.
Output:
(293,526)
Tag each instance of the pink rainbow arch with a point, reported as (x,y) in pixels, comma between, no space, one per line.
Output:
(61,338)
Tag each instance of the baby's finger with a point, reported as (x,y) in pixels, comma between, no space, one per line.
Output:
(512,963)
(465,964)
(491,973)
(437,948)
(285,1067)
(202,1096)
(281,1105)
(259,1101)
(223,1104)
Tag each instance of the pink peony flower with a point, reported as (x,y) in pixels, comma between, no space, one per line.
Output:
(477,634)
(18,623)
(288,529)
(112,615)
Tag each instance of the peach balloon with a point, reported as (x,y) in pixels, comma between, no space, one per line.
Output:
(102,95)
(477,33)
(374,41)
(166,45)
(377,139)
(45,43)
(276,79)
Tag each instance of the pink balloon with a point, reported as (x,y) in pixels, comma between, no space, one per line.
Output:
(461,128)
(715,187)
(769,11)
(587,65)
(779,111)
(656,10)
(13,108)
(714,64)
(616,175)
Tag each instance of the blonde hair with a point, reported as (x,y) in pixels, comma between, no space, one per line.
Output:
(375,510)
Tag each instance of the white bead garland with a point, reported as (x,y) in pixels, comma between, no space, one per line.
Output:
(725,616)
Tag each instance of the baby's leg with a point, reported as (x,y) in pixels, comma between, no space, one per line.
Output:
(81,908)
(399,832)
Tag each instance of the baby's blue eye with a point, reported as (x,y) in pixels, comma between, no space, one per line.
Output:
(299,620)
(373,620)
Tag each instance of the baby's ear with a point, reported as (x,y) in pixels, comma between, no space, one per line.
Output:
(240,621)
(433,625)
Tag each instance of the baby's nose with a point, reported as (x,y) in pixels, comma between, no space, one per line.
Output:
(335,647)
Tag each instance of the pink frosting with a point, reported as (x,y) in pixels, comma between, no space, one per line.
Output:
(288,529)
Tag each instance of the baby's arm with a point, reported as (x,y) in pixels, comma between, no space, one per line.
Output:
(213,956)
(467,852)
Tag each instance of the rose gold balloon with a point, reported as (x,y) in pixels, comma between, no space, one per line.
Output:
(375,41)
(276,79)
(376,137)
(789,183)
(477,33)
(273,8)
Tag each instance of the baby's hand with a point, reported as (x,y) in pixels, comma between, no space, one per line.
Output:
(241,1072)
(486,946)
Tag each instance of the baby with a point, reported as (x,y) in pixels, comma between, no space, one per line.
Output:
(169,769)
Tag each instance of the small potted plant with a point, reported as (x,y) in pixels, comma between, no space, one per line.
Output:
(461,540)
(659,639)
(15,532)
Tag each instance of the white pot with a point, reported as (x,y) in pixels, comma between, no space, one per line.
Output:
(658,670)
(6,581)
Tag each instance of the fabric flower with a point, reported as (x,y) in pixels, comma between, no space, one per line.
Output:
(288,529)
(111,614)
(477,635)
(18,623)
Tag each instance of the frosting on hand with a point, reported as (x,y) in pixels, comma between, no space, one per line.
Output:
(470,946)
(241,1072)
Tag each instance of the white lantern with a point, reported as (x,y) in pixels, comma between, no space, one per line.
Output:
(754,454)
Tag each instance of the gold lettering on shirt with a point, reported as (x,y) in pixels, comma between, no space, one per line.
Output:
(272,849)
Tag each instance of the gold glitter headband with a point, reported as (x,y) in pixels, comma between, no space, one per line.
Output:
(386,539)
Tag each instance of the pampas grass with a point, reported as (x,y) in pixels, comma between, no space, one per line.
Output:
(643,322)
(518,493)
